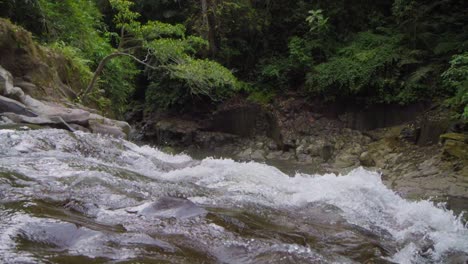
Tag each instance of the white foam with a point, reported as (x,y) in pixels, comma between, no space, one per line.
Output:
(361,196)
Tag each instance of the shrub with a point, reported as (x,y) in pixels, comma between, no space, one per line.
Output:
(455,78)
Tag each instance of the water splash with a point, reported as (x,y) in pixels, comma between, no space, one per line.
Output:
(105,179)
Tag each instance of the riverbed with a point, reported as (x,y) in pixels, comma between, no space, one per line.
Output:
(78,197)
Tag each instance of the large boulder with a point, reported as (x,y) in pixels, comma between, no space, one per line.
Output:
(69,115)
(121,125)
(97,127)
(26,86)
(171,131)
(10,105)
(206,139)
(6,80)
(454,136)
(56,121)
(455,145)
(366,159)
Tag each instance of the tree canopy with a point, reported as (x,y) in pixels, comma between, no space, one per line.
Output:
(373,52)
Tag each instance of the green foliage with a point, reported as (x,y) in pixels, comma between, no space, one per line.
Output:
(170,50)
(205,77)
(75,22)
(317,21)
(261,97)
(300,51)
(75,28)
(456,79)
(390,51)
(364,66)
(157,29)
(118,81)
(124,17)
(274,72)
(79,65)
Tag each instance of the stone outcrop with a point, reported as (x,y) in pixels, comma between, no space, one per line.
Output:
(21,108)
(455,145)
(294,132)
(13,106)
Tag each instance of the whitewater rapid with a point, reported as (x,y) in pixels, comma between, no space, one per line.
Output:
(111,183)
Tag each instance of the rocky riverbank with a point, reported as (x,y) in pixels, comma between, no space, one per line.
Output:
(419,149)
(420,154)
(38,87)
(17,107)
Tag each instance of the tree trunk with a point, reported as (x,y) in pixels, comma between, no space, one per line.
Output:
(101,66)
(212,29)
(208,25)
(97,73)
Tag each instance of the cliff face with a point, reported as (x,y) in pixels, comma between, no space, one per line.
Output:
(38,70)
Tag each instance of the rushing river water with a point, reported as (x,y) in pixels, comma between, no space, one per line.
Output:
(84,198)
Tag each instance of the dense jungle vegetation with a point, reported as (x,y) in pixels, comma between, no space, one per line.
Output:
(177,54)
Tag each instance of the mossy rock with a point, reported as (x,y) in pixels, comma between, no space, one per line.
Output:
(454,136)
(456,149)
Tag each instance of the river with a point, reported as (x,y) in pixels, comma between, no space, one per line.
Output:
(84,198)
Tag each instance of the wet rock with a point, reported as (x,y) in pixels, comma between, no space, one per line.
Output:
(97,127)
(5,120)
(326,152)
(431,130)
(26,86)
(56,122)
(410,133)
(314,149)
(271,145)
(345,160)
(60,235)
(287,155)
(146,240)
(258,155)
(14,93)
(69,115)
(456,149)
(168,131)
(274,155)
(6,86)
(211,139)
(6,80)
(300,150)
(366,160)
(454,136)
(167,207)
(245,154)
(77,127)
(259,145)
(9,105)
(304,158)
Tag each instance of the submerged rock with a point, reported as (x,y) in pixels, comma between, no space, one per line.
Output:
(167,207)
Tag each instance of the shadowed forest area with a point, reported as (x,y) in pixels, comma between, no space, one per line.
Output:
(180,55)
